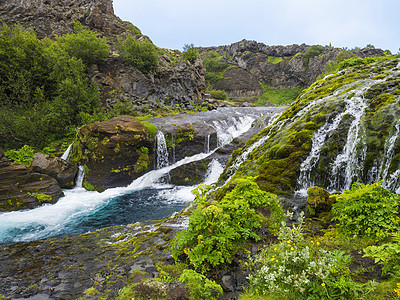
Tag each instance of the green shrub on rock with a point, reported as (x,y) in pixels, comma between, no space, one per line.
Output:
(143,55)
(367,211)
(218,229)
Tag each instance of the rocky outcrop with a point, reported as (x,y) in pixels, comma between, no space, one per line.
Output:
(114,152)
(49,18)
(343,129)
(21,188)
(278,67)
(173,83)
(63,171)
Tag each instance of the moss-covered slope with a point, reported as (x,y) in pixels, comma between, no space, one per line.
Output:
(342,129)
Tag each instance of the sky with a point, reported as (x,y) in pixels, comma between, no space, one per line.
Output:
(341,23)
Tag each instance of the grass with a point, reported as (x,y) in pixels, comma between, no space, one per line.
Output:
(278,97)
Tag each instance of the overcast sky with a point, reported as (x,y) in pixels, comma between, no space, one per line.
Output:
(342,23)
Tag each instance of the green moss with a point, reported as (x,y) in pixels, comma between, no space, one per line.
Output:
(88,186)
(151,128)
(274,60)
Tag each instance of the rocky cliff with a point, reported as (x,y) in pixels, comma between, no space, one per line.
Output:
(173,83)
(279,67)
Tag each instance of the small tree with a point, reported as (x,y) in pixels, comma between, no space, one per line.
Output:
(190,53)
(84,44)
(143,55)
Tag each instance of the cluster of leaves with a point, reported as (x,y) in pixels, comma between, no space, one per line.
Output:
(367,211)
(199,286)
(313,51)
(296,268)
(141,54)
(214,66)
(22,156)
(44,90)
(190,53)
(387,254)
(278,96)
(218,94)
(217,229)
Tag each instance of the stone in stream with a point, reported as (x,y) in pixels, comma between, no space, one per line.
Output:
(21,188)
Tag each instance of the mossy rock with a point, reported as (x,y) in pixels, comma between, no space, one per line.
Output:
(319,201)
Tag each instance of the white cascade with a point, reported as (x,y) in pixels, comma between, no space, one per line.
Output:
(67,152)
(162,151)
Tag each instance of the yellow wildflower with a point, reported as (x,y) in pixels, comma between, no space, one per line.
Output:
(323,284)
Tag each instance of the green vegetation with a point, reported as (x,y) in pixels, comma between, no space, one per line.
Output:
(141,54)
(214,66)
(274,60)
(84,45)
(199,286)
(367,211)
(45,93)
(218,229)
(22,156)
(296,268)
(190,53)
(218,94)
(278,96)
(313,51)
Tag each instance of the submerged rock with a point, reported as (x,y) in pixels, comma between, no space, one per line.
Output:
(21,188)
(63,171)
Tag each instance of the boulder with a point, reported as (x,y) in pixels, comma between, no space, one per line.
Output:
(64,172)
(114,152)
(319,201)
(21,188)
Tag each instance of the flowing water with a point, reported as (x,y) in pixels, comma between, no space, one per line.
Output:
(146,198)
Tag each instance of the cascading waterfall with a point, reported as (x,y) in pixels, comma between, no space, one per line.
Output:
(345,168)
(207,144)
(67,152)
(162,151)
(227,130)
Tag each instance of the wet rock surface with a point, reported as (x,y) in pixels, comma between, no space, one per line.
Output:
(21,188)
(63,268)
(114,152)
(61,170)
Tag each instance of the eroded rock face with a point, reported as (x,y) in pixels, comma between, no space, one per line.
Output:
(114,152)
(279,67)
(63,171)
(21,188)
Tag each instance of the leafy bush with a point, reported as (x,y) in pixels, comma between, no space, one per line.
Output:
(214,66)
(44,91)
(216,230)
(367,211)
(199,286)
(190,53)
(143,55)
(313,51)
(299,269)
(218,94)
(84,44)
(387,254)
(22,156)
(358,61)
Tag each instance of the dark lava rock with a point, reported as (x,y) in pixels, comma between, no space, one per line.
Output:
(63,171)
(114,152)
(21,188)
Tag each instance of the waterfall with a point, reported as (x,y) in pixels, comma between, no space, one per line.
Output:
(207,144)
(162,151)
(67,152)
(229,129)
(79,177)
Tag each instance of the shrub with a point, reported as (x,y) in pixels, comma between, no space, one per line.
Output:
(367,211)
(190,53)
(22,156)
(216,230)
(85,45)
(143,55)
(313,51)
(214,66)
(299,269)
(218,94)
(199,286)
